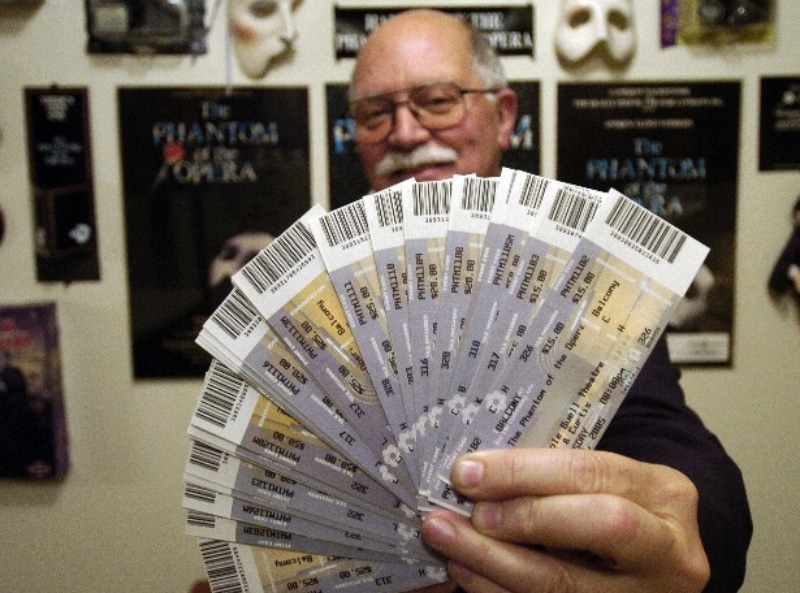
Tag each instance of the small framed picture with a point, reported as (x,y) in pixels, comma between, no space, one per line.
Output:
(146,26)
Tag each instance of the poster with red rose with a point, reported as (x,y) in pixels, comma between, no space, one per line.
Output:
(210,176)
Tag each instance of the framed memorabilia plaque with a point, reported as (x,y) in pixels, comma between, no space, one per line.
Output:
(146,26)
(59,151)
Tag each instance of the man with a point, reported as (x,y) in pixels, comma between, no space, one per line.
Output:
(663,501)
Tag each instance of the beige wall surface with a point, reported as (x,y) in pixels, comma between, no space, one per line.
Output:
(115,524)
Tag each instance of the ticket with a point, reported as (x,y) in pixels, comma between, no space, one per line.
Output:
(237,334)
(231,409)
(209,526)
(344,242)
(505,239)
(225,473)
(426,208)
(204,498)
(559,214)
(473,201)
(470,210)
(232,566)
(384,212)
(592,335)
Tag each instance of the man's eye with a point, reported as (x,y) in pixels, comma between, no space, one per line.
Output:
(263,8)
(373,113)
(437,102)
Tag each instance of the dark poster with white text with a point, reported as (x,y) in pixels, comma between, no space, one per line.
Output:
(779,127)
(673,147)
(210,177)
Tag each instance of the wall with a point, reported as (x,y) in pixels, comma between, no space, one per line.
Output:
(115,523)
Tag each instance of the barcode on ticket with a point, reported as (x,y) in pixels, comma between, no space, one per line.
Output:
(532,192)
(284,253)
(478,194)
(646,229)
(235,314)
(220,565)
(431,198)
(220,393)
(389,207)
(572,208)
(344,224)
(206,456)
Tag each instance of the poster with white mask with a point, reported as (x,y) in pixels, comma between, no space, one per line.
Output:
(209,177)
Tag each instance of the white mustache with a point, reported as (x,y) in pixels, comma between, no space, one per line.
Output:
(422,155)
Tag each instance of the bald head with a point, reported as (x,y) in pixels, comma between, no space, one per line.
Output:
(421,47)
(439,29)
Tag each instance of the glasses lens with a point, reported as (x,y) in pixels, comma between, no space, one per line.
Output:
(437,102)
(436,106)
(373,112)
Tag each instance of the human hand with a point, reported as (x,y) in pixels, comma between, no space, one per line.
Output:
(570,521)
(446,587)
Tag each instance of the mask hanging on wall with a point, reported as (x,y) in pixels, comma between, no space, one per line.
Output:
(785,276)
(585,25)
(262,31)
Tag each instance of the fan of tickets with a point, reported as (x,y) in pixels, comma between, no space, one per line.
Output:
(366,349)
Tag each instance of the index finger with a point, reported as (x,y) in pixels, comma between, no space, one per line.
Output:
(510,473)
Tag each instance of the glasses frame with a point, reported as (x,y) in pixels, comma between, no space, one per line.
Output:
(415,110)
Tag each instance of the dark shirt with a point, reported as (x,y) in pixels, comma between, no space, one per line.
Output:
(655,425)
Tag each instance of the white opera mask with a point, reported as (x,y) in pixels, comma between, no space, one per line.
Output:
(234,254)
(261,30)
(585,24)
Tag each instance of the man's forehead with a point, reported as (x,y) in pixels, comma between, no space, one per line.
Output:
(398,63)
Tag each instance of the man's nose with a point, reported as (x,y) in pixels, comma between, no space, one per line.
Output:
(289,32)
(406,130)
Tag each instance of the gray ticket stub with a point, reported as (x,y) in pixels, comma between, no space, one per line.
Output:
(592,335)
(228,474)
(205,497)
(290,287)
(344,242)
(384,212)
(230,408)
(233,566)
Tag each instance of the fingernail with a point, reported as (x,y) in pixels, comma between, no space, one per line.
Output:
(486,515)
(438,531)
(468,473)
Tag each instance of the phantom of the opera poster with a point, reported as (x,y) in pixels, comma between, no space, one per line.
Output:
(673,147)
(210,177)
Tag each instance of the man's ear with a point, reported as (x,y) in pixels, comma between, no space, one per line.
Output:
(506,106)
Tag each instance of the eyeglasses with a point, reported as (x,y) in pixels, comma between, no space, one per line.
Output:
(436,106)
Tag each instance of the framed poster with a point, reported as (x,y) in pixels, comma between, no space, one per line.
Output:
(146,26)
(210,177)
(779,132)
(33,426)
(508,28)
(60,171)
(673,147)
(345,177)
